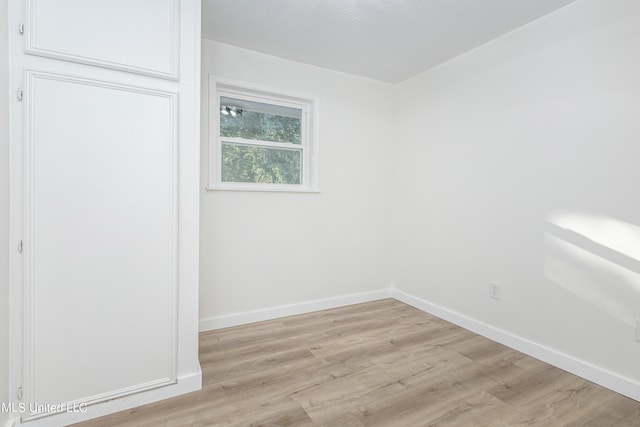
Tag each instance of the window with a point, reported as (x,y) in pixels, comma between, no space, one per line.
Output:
(261,140)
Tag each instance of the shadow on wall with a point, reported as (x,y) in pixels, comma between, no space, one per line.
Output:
(596,258)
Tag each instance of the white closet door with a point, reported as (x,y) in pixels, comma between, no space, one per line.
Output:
(101,243)
(139,36)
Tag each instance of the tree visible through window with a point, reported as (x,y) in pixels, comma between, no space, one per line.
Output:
(263,140)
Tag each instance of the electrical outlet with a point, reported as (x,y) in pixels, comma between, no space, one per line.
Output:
(638,330)
(495,291)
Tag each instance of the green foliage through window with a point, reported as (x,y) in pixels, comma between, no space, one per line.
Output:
(260,125)
(247,163)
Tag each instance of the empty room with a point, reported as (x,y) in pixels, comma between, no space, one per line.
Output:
(319,213)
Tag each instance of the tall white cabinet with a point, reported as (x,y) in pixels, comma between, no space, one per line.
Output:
(104,205)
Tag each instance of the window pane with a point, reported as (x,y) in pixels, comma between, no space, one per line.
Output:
(255,120)
(245,163)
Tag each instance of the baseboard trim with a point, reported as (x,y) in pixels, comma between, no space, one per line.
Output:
(588,371)
(220,322)
(185,384)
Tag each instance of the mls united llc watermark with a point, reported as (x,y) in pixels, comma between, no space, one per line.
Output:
(42,408)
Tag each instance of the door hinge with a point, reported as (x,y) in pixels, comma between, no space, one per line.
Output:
(19,393)
(20,28)
(19,95)
(20,246)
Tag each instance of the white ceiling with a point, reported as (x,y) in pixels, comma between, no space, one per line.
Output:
(386,40)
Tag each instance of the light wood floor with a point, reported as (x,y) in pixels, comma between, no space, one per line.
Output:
(376,364)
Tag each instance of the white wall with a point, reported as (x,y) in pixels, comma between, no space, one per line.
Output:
(262,250)
(4,209)
(489,147)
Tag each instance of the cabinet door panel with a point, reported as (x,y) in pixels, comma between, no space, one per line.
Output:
(100,239)
(139,36)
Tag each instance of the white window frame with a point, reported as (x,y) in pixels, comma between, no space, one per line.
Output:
(219,87)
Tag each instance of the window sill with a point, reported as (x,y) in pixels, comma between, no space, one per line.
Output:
(263,190)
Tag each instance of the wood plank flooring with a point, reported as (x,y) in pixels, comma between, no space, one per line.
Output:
(382,363)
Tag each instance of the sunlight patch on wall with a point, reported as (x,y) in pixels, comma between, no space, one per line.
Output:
(612,233)
(596,258)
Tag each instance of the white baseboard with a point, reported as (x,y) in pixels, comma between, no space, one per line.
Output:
(220,322)
(598,375)
(185,384)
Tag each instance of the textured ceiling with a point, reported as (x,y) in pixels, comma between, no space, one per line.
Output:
(387,40)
